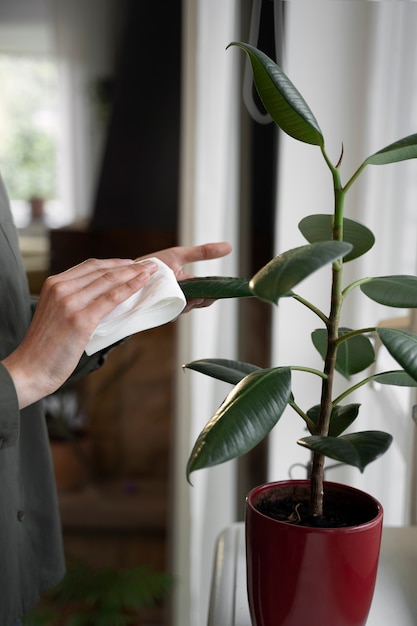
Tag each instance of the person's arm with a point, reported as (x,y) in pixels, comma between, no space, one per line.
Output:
(69,308)
(9,410)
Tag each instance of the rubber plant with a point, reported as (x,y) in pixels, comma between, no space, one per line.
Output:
(259,397)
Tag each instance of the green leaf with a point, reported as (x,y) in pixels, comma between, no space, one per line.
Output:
(223,369)
(247,415)
(341,417)
(396,291)
(401,150)
(279,276)
(281,99)
(402,346)
(319,228)
(353,355)
(357,449)
(398,378)
(215,287)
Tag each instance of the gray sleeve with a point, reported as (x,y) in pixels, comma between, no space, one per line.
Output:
(9,410)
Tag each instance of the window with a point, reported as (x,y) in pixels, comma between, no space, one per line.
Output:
(30,130)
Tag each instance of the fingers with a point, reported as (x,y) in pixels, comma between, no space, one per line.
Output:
(207,251)
(197,303)
(86,267)
(178,256)
(94,279)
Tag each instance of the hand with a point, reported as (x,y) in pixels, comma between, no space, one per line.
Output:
(70,306)
(72,303)
(176,258)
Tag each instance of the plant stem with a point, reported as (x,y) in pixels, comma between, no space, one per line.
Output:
(355,333)
(357,283)
(347,392)
(310,306)
(304,416)
(317,471)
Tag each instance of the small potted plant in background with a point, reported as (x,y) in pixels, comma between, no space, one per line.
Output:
(90,596)
(30,168)
(312,546)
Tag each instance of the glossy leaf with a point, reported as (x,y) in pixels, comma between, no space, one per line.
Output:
(281,99)
(319,228)
(402,346)
(223,369)
(357,449)
(395,291)
(247,415)
(353,355)
(401,150)
(215,287)
(279,276)
(397,378)
(341,418)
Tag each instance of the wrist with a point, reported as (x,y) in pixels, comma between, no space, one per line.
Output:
(23,384)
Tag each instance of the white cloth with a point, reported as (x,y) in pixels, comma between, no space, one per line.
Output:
(159,302)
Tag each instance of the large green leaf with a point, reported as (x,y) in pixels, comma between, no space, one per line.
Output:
(397,378)
(401,150)
(223,369)
(341,418)
(279,276)
(353,355)
(396,291)
(247,415)
(319,228)
(215,287)
(281,99)
(402,345)
(357,449)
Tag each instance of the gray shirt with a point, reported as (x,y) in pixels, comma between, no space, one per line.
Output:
(31,551)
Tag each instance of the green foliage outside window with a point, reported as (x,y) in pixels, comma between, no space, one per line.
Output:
(30,169)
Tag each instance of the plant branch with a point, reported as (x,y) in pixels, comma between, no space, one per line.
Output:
(310,306)
(352,286)
(354,333)
(310,424)
(347,392)
(355,176)
(309,370)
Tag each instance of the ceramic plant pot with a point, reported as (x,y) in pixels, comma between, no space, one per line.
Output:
(299,575)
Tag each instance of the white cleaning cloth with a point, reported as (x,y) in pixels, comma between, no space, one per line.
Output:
(159,302)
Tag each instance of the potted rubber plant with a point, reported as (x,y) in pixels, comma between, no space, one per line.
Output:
(312,546)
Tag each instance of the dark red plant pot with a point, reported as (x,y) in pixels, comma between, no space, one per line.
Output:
(298,575)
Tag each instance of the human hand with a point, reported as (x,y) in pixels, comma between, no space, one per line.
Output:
(70,306)
(179,256)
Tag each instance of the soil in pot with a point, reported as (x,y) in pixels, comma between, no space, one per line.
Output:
(291,505)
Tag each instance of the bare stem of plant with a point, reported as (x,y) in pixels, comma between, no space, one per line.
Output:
(317,470)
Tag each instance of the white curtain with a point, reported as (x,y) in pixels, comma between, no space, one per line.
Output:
(354,63)
(209,198)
